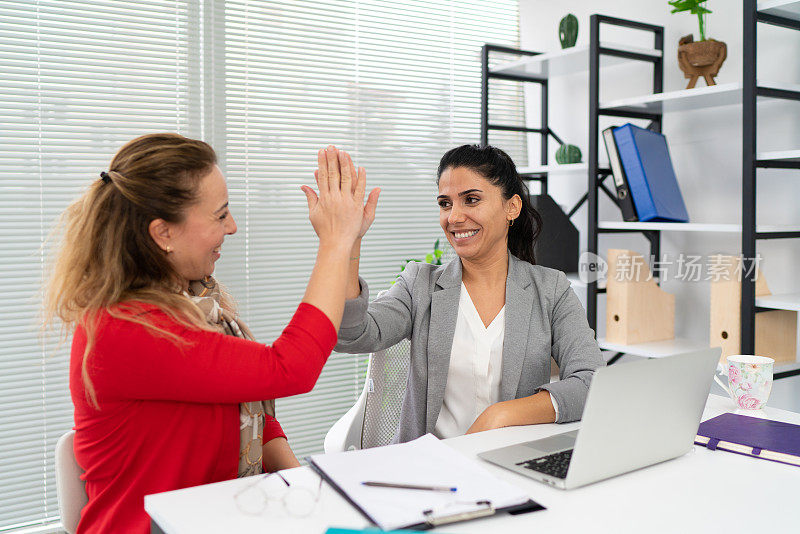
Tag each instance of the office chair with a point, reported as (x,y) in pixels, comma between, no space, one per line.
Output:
(71,490)
(374,418)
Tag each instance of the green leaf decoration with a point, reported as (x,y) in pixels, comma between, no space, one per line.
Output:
(434,258)
(695,7)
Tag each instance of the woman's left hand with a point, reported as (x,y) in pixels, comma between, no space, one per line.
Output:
(495,416)
(360,175)
(533,410)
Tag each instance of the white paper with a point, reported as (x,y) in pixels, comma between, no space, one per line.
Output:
(424,461)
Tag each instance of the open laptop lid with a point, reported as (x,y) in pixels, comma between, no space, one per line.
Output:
(641,413)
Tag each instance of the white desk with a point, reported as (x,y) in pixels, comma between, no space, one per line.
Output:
(702,491)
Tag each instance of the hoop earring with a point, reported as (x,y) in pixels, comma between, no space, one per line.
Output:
(510,223)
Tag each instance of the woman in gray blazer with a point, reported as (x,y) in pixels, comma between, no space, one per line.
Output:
(480,358)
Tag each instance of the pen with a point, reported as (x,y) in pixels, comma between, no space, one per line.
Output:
(408,486)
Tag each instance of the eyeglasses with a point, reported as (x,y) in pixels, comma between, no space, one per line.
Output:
(297,500)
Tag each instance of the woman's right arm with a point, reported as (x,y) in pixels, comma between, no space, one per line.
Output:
(338,215)
(353,287)
(216,368)
(130,361)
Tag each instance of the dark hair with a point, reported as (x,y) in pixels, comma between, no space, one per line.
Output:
(498,168)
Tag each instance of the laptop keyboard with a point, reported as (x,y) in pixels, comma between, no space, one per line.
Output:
(555,465)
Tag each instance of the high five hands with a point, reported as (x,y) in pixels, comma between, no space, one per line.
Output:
(339,211)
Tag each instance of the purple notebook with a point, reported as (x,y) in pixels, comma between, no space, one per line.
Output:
(752,436)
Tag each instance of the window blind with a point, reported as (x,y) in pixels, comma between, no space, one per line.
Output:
(79,79)
(395,84)
(267,84)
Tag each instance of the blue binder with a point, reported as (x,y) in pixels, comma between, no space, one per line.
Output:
(651,179)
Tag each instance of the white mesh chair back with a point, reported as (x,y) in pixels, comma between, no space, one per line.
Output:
(386,387)
(71,490)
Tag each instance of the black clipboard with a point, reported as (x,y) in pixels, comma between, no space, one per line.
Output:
(486,509)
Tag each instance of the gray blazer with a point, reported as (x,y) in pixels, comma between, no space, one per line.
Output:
(543,318)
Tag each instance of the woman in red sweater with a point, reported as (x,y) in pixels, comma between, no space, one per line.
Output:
(167,383)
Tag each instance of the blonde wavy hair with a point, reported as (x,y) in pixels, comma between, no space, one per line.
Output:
(106,260)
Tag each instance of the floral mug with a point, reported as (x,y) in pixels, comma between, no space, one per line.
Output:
(749,380)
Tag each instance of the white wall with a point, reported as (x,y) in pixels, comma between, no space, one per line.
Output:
(705,144)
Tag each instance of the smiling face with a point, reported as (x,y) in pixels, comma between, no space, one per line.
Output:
(195,242)
(474,215)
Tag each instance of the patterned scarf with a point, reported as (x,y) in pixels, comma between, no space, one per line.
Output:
(206,295)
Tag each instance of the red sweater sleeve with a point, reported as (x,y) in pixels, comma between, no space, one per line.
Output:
(272,429)
(130,361)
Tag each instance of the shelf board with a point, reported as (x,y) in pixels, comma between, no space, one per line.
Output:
(780,155)
(777,85)
(692,227)
(655,349)
(670,226)
(726,94)
(782,367)
(782,8)
(568,61)
(787,301)
(554,169)
(683,100)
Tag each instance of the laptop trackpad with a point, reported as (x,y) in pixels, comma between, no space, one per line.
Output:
(552,444)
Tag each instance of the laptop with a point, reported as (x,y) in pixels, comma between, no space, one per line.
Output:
(637,414)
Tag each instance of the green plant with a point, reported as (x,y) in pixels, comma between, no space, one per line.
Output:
(568,31)
(434,258)
(568,154)
(695,7)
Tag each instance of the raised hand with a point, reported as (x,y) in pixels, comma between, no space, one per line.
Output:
(346,164)
(340,218)
(336,167)
(335,212)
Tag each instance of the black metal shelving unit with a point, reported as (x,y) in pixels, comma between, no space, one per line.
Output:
(750,164)
(596,175)
(544,130)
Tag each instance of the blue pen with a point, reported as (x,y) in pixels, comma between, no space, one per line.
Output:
(409,486)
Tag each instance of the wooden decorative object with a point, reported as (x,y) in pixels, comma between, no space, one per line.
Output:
(701,58)
(637,309)
(776,331)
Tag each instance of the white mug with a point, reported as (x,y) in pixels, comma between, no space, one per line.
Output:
(749,380)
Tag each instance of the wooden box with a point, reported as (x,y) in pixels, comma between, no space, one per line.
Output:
(637,309)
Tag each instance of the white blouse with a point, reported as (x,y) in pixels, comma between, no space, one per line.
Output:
(473,378)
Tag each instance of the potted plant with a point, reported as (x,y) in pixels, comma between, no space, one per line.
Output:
(698,58)
(567,154)
(434,258)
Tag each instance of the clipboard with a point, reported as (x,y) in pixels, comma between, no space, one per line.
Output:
(486,509)
(463,510)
